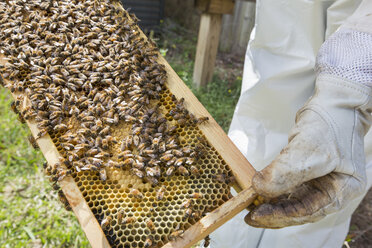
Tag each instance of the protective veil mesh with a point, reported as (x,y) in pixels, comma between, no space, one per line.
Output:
(348,54)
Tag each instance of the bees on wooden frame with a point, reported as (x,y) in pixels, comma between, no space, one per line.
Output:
(89,76)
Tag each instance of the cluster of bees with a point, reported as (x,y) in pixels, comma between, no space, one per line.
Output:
(87,61)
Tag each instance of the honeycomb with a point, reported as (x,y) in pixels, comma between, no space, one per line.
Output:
(136,153)
(110,197)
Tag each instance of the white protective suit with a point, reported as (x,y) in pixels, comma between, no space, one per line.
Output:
(278,79)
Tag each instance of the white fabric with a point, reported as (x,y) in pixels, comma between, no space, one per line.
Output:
(278,79)
(347,54)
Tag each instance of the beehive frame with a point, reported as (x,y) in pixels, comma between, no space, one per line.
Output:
(240,167)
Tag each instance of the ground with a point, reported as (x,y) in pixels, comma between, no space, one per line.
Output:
(30,212)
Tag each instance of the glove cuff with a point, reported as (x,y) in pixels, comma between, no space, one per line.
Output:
(343,87)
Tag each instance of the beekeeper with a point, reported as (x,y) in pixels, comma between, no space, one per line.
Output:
(302,119)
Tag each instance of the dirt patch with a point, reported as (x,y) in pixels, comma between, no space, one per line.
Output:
(360,233)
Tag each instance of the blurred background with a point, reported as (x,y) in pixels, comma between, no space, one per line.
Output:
(30,212)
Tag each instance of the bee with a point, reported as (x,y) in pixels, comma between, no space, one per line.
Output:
(137,130)
(179,116)
(105,131)
(171,145)
(106,222)
(74,111)
(196,215)
(166,157)
(183,171)
(129,161)
(179,104)
(150,225)
(179,161)
(152,180)
(148,152)
(186,150)
(108,140)
(136,140)
(126,154)
(98,141)
(92,152)
(42,133)
(177,153)
(148,242)
(202,120)
(207,241)
(172,130)
(62,198)
(186,203)
(153,162)
(135,193)
(174,235)
(190,161)
(223,178)
(139,165)
(188,213)
(112,164)
(129,220)
(129,118)
(162,128)
(28,113)
(153,171)
(196,195)
(160,193)
(103,174)
(62,174)
(170,171)
(171,162)
(194,171)
(60,128)
(127,142)
(120,216)
(32,141)
(137,172)
(14,107)
(56,187)
(182,121)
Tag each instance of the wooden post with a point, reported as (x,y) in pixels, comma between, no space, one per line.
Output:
(206,50)
(208,38)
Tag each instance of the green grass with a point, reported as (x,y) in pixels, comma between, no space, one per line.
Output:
(30,212)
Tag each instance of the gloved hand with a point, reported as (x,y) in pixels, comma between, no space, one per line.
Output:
(322,168)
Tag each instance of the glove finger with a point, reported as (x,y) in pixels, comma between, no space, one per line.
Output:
(309,154)
(309,203)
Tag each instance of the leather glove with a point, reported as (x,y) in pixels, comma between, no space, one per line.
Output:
(322,168)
